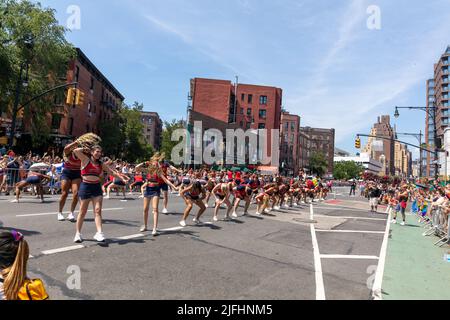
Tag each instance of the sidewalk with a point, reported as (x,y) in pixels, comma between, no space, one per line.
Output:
(415,269)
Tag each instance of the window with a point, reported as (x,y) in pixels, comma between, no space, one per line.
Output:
(92,83)
(292,126)
(249,111)
(263,100)
(77,73)
(87,128)
(261,126)
(89,108)
(292,138)
(250,98)
(56,121)
(70,126)
(262,114)
(243,97)
(241,110)
(286,126)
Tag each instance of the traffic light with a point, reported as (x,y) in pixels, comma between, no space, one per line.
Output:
(71,96)
(79,99)
(358,143)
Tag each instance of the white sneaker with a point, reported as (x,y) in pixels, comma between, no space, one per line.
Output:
(206,205)
(194,220)
(234,215)
(15,201)
(215,219)
(78,238)
(286,206)
(394,221)
(276,208)
(99,237)
(258,213)
(295,204)
(143,229)
(183,223)
(71,217)
(267,211)
(141,197)
(403,223)
(303,202)
(155,233)
(61,217)
(165,211)
(104,193)
(108,197)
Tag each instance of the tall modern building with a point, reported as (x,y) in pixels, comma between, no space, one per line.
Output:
(438,97)
(228,105)
(289,145)
(428,168)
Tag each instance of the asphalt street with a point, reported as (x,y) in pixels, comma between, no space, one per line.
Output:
(329,252)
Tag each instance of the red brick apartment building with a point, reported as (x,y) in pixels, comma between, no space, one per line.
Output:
(244,106)
(67,122)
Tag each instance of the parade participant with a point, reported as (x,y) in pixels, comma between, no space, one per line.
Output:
(264,197)
(35,179)
(14,283)
(240,193)
(90,189)
(221,193)
(403,196)
(152,191)
(137,181)
(193,194)
(165,167)
(210,184)
(3,169)
(117,184)
(70,180)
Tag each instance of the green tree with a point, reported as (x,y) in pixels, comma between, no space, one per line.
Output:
(318,163)
(31,36)
(347,170)
(167,144)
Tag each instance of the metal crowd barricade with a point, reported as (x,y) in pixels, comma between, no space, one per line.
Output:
(12,176)
(437,225)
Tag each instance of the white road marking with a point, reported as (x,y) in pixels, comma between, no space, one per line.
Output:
(55,213)
(350,231)
(320,288)
(343,256)
(339,208)
(172,229)
(377,284)
(133,236)
(359,218)
(65,249)
(311,210)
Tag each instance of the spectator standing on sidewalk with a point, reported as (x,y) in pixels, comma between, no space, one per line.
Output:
(353,188)
(374,195)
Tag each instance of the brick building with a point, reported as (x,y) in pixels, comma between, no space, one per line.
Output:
(101,101)
(289,145)
(385,151)
(152,131)
(242,106)
(317,140)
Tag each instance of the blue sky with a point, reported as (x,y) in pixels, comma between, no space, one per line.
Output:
(334,70)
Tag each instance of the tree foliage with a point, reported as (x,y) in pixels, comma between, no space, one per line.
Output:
(347,170)
(318,163)
(122,137)
(31,36)
(167,143)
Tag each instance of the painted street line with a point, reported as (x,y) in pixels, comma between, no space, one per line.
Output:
(59,250)
(377,284)
(343,256)
(320,288)
(55,213)
(350,231)
(172,229)
(133,236)
(360,218)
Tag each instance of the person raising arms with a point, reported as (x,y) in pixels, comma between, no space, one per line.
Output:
(90,189)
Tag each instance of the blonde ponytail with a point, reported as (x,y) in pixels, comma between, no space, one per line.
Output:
(15,276)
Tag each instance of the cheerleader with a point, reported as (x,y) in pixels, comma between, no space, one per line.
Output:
(92,169)
(35,179)
(241,193)
(118,184)
(193,194)
(221,194)
(152,192)
(70,180)
(165,167)
(264,197)
(138,181)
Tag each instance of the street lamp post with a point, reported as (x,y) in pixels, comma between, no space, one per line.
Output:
(431,111)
